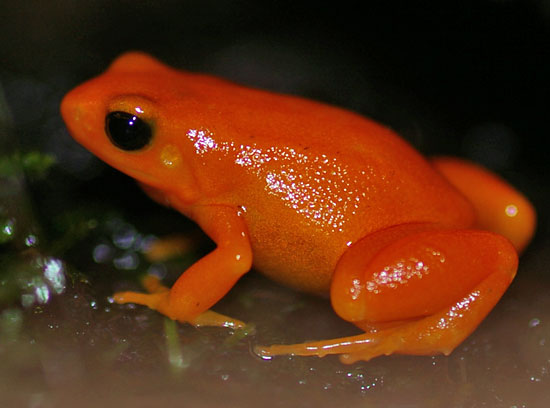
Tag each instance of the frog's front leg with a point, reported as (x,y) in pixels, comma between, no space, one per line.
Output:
(209,279)
(420,294)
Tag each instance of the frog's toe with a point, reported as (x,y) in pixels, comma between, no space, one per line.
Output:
(211,318)
(154,301)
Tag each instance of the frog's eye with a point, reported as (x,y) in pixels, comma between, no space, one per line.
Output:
(127,131)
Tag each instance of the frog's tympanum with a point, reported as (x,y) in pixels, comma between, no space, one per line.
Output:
(413,251)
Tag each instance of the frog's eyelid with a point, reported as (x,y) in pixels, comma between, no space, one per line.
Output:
(132,103)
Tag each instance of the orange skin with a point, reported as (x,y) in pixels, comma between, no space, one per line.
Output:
(315,197)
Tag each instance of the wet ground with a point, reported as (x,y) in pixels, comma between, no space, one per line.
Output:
(81,347)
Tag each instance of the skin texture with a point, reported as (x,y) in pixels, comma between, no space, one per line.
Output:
(414,252)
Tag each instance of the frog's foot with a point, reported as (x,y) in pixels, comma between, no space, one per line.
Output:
(153,284)
(158,299)
(209,279)
(368,345)
(168,247)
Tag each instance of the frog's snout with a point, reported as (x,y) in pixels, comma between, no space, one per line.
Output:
(70,108)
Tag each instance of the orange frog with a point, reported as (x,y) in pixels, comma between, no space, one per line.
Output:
(414,252)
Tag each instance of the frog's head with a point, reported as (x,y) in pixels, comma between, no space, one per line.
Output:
(124,117)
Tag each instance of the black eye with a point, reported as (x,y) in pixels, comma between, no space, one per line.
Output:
(127,131)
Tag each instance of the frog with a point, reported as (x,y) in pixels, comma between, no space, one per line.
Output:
(413,251)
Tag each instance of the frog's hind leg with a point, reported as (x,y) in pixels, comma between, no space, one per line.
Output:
(429,289)
(499,207)
(436,334)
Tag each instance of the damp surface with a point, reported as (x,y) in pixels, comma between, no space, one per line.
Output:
(80,347)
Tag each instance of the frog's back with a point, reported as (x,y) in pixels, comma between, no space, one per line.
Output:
(330,164)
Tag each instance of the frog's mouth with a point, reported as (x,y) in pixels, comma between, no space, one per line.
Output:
(140,176)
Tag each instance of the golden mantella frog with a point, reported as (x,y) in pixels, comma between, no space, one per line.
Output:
(414,252)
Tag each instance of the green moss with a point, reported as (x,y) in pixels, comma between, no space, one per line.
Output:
(34,164)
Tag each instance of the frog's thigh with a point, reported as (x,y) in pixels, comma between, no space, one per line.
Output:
(429,290)
(499,206)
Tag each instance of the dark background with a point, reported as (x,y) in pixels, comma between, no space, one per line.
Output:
(467,78)
(464,78)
